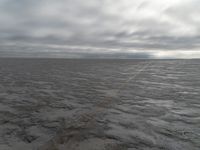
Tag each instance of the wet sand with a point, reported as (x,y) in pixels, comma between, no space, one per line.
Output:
(57,104)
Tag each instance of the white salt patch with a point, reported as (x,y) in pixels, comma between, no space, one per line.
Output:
(110,93)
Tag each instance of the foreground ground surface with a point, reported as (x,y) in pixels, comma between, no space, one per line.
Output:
(55,104)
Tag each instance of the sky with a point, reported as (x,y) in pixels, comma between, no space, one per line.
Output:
(100,28)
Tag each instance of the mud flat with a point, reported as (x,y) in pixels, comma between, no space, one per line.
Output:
(58,104)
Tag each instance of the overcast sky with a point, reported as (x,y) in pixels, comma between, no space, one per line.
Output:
(100,28)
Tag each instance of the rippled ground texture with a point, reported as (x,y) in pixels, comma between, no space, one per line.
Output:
(55,104)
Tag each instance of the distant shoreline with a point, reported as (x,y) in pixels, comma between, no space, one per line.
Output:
(62,58)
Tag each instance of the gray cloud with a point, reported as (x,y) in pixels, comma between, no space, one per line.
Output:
(106,28)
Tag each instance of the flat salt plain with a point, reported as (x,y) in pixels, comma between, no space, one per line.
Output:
(58,104)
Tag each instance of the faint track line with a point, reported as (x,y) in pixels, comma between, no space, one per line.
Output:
(133,77)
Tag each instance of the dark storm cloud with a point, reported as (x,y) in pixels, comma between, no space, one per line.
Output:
(99,28)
